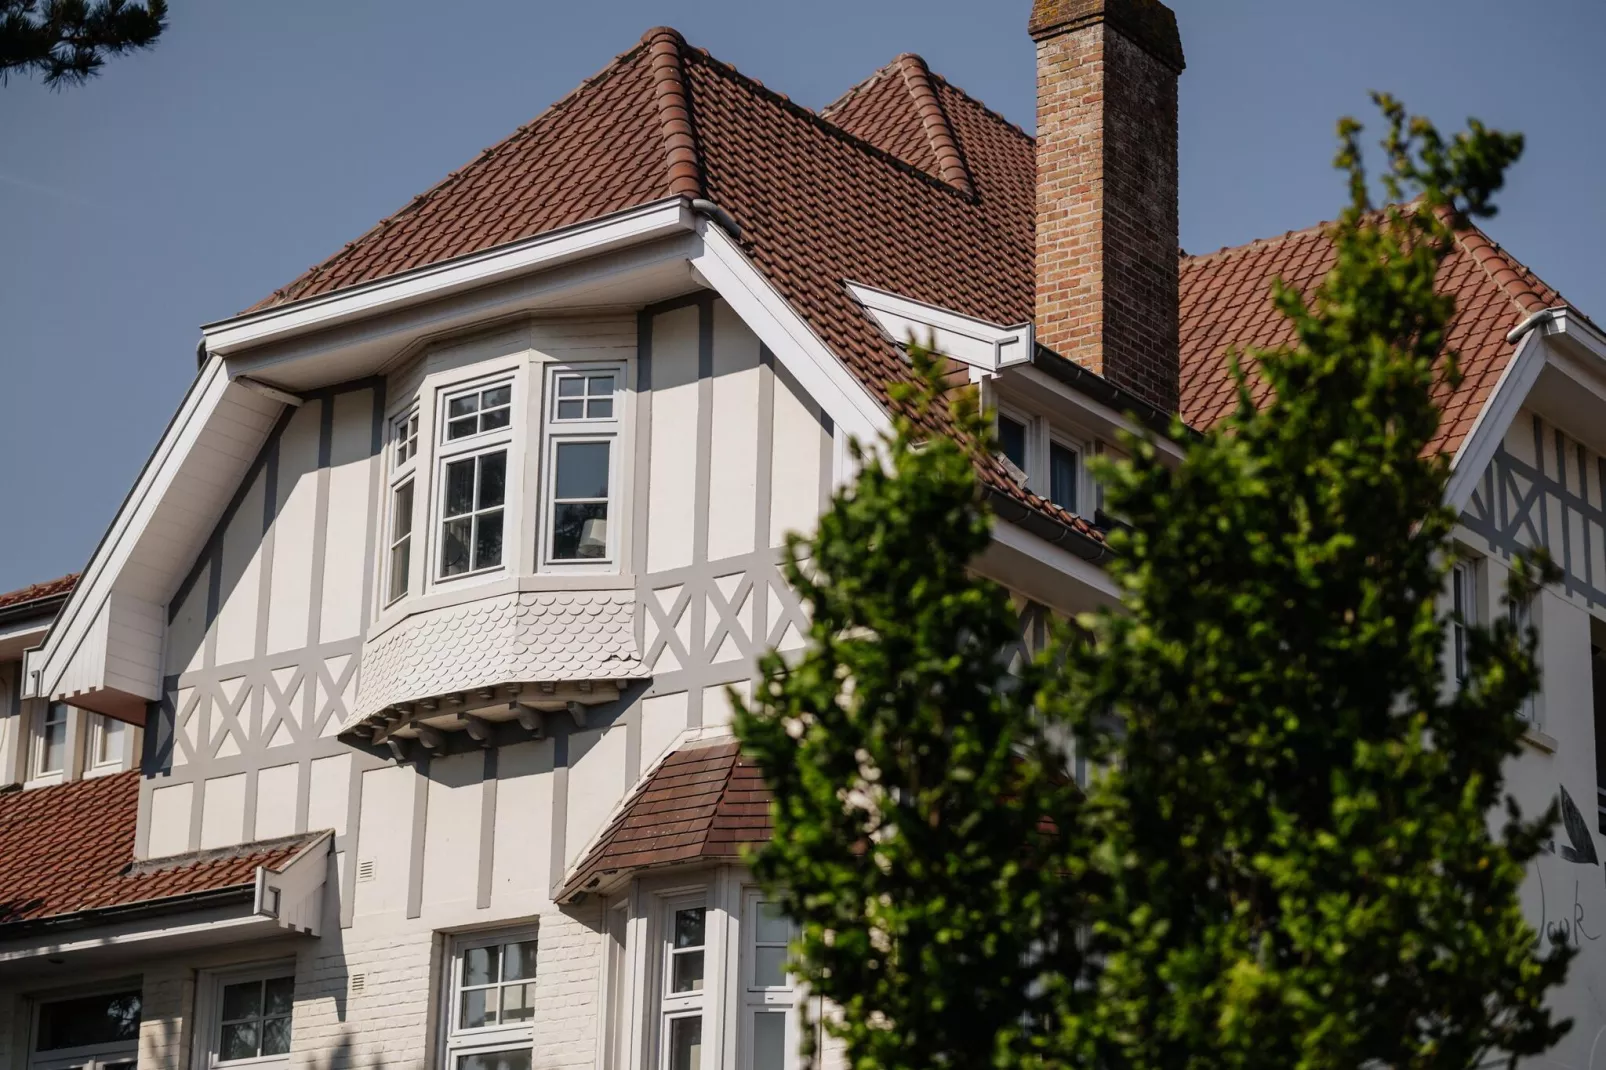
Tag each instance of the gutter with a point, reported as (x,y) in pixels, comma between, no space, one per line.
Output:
(35,607)
(174,904)
(1052,531)
(1537,319)
(727,222)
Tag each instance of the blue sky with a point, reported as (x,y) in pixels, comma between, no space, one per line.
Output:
(186,183)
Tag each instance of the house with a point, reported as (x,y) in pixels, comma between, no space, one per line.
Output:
(387,725)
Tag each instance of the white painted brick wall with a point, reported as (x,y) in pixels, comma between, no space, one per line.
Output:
(166,1028)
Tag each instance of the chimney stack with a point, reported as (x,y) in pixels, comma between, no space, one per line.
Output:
(1107,189)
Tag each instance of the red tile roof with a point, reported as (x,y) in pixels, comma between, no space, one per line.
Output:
(700,804)
(36,591)
(906,184)
(69,848)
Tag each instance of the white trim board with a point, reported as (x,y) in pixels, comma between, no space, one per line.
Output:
(982,345)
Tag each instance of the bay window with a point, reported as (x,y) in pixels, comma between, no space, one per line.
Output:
(769,1028)
(582,459)
(475,439)
(403,465)
(491,1016)
(685,968)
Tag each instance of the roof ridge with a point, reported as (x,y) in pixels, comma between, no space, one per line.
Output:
(825,125)
(1502,269)
(1227,252)
(982,104)
(665,47)
(612,67)
(939,131)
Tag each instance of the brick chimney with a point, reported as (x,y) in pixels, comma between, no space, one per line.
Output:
(1107,189)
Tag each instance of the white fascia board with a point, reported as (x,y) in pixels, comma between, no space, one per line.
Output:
(45,665)
(1489,426)
(1100,418)
(631,227)
(292,895)
(1057,558)
(972,341)
(209,927)
(728,271)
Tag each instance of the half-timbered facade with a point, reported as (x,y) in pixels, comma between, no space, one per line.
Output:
(388,724)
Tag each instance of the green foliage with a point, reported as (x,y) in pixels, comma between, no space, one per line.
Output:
(67,41)
(1289,855)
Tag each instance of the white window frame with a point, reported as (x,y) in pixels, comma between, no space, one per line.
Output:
(89,1056)
(1028,423)
(680,1005)
(479,444)
(556,432)
(1057,437)
(100,729)
(37,774)
(209,1014)
(754,1000)
(456,1042)
(1464,615)
(406,438)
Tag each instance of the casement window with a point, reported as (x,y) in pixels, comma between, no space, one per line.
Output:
(1463,614)
(404,439)
(1012,440)
(491,988)
(399,538)
(581,466)
(50,741)
(251,1018)
(685,962)
(769,1037)
(1064,475)
(107,739)
(98,1031)
(473,479)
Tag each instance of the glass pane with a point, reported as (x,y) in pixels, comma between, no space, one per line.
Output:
(518,961)
(600,408)
(497,396)
(579,531)
(479,965)
(239,1041)
(460,487)
(275,1036)
(1012,440)
(493,480)
(571,386)
(582,470)
(488,540)
(771,926)
(769,967)
(53,746)
(571,410)
(515,1059)
(280,995)
(492,420)
(463,406)
(688,972)
(1062,477)
(689,927)
(109,741)
(769,1041)
(600,386)
(455,535)
(685,1044)
(462,428)
(401,563)
(401,512)
(243,1000)
(518,1003)
(75,1023)
(478,1010)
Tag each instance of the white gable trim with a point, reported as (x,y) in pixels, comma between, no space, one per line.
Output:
(728,271)
(1489,426)
(984,346)
(632,227)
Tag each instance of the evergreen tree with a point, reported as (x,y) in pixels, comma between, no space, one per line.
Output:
(67,41)
(1291,852)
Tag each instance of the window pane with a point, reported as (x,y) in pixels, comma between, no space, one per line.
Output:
(686,1044)
(479,965)
(462,428)
(488,540)
(493,480)
(76,1023)
(492,420)
(688,972)
(600,386)
(771,926)
(401,564)
(108,741)
(280,995)
(769,967)
(455,535)
(1062,477)
(769,1041)
(600,408)
(462,406)
(460,487)
(689,927)
(518,961)
(243,1000)
(582,470)
(497,396)
(1012,440)
(580,531)
(570,386)
(518,1003)
(275,1036)
(515,1059)
(478,1009)
(571,410)
(53,740)
(239,1041)
(401,511)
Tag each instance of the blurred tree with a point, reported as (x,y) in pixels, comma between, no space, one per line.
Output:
(67,41)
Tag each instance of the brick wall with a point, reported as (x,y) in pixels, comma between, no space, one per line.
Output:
(1107,200)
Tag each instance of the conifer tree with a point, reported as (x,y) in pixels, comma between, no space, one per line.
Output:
(1295,851)
(67,41)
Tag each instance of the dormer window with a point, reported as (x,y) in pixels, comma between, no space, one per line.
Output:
(1064,472)
(581,469)
(50,746)
(1012,440)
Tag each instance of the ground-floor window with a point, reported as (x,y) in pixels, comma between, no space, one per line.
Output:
(93,1031)
(490,1018)
(247,1016)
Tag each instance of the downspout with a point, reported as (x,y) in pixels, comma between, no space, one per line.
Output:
(727,222)
(1537,319)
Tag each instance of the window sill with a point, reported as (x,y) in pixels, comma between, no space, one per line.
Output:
(1539,740)
(46,780)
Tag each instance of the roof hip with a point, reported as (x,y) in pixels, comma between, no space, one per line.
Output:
(665,48)
(944,145)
